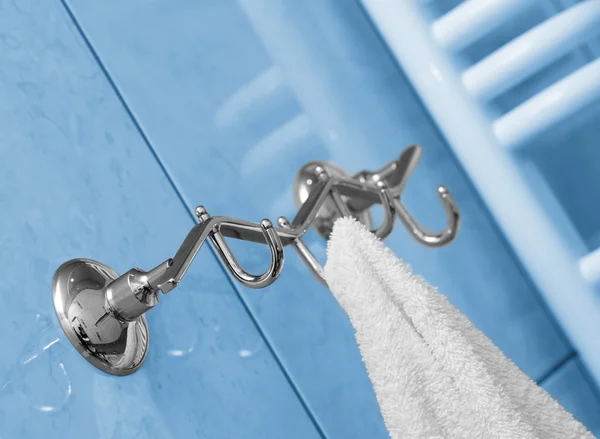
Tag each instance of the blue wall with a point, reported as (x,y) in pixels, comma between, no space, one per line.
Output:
(118,117)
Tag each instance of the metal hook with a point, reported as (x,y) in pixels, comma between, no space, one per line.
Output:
(250,280)
(381,232)
(396,175)
(423,235)
(386,199)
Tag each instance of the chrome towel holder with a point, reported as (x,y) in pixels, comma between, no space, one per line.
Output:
(102,313)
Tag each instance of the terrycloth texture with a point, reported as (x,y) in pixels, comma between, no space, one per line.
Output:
(434,373)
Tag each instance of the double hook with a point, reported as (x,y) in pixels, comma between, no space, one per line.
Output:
(390,182)
(343,195)
(396,175)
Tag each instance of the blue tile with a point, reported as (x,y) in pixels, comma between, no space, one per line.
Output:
(572,387)
(77,180)
(235,96)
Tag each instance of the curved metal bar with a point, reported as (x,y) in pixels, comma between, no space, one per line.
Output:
(395,174)
(423,235)
(382,232)
(232,264)
(367,189)
(180,263)
(378,193)
(211,226)
(387,226)
(305,254)
(309,210)
(350,189)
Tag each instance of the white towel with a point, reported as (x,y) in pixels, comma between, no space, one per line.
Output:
(434,373)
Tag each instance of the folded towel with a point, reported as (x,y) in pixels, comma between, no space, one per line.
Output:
(434,373)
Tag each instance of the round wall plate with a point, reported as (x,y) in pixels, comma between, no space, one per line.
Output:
(114,346)
(303,185)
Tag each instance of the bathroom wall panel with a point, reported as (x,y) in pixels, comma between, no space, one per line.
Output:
(571,385)
(235,96)
(77,180)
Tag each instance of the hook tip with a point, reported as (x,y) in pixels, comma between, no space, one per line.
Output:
(266,224)
(201,213)
(283,221)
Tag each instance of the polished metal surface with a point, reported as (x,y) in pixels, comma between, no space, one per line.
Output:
(394,175)
(111,344)
(306,255)
(305,184)
(271,238)
(103,314)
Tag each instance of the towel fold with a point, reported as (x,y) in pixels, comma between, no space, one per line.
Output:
(434,373)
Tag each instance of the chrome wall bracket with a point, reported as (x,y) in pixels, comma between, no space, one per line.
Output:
(104,338)
(102,313)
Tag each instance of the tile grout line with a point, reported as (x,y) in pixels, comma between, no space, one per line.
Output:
(563,363)
(555,368)
(186,205)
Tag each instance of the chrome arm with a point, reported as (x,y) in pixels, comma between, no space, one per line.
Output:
(217,228)
(345,194)
(102,313)
(211,227)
